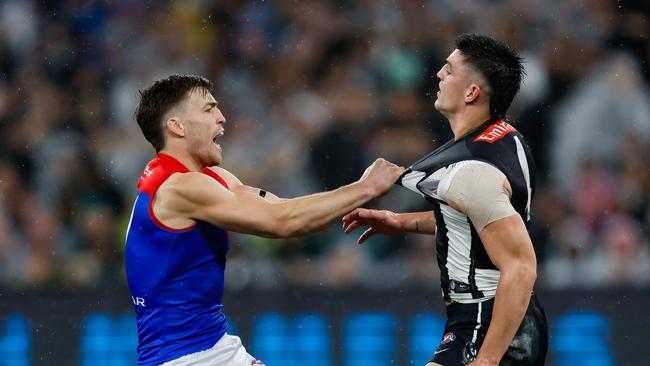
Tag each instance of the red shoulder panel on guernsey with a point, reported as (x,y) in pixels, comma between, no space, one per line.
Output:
(153,175)
(495,132)
(216,176)
(157,171)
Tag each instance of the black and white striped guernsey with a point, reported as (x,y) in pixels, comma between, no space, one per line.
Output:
(467,274)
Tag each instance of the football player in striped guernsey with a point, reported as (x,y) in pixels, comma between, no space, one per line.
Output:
(480,185)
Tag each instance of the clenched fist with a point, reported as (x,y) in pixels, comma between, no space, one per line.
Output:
(381,175)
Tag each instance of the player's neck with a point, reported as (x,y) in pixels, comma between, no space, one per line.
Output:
(183,157)
(464,122)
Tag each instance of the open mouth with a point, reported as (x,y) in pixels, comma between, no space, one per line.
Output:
(214,140)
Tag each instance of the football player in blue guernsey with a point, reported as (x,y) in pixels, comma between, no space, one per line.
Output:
(480,185)
(177,237)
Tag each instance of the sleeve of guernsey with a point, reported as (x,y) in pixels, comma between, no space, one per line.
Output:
(478,191)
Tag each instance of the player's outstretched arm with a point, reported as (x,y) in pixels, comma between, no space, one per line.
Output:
(199,197)
(234,184)
(388,223)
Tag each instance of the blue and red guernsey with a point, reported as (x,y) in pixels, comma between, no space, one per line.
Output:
(175,275)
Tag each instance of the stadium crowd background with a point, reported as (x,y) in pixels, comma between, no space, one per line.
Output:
(313,91)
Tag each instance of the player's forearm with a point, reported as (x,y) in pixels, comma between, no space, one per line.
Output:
(418,222)
(305,215)
(510,304)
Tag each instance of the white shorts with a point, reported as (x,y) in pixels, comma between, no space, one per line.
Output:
(228,351)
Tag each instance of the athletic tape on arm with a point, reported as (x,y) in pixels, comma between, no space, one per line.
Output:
(478,190)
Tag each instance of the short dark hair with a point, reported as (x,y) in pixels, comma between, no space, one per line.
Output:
(499,64)
(161,96)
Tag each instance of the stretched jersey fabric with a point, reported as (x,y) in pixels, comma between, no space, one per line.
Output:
(175,275)
(467,273)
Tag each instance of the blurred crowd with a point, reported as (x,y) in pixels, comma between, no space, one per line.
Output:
(313,91)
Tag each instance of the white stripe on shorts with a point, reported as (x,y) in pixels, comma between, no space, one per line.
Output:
(228,351)
(478,323)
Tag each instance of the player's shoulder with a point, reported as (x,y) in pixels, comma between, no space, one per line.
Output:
(231,180)
(183,193)
(470,171)
(189,185)
(473,175)
(474,167)
(472,184)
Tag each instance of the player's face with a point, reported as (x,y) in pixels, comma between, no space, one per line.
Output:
(204,126)
(454,81)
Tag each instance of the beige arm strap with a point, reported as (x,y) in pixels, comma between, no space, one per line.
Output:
(478,190)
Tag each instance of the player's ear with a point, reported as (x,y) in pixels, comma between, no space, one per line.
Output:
(175,126)
(472,93)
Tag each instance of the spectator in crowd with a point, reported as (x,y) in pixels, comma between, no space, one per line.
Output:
(70,152)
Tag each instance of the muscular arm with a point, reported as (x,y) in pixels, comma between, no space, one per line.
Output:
(235,184)
(509,246)
(481,192)
(195,196)
(263,193)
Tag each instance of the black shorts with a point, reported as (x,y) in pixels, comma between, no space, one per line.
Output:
(464,335)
